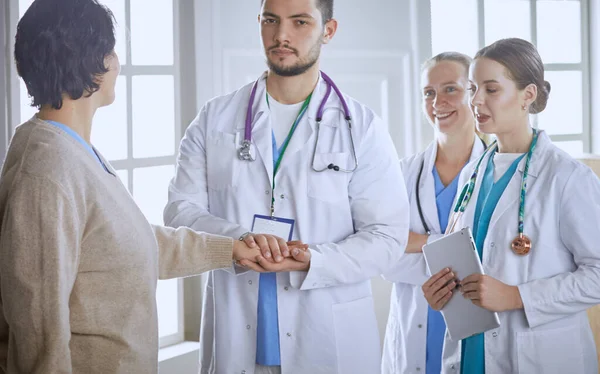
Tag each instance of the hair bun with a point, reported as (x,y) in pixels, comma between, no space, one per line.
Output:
(542,99)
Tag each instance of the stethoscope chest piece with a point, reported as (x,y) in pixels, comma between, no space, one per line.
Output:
(246,151)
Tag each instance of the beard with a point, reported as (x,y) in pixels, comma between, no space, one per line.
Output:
(298,68)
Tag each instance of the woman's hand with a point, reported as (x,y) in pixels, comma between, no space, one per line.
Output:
(416,242)
(247,253)
(272,247)
(242,251)
(491,294)
(439,288)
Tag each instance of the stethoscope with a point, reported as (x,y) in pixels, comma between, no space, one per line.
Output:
(244,153)
(425,226)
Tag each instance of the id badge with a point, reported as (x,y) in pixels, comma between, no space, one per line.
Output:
(281,227)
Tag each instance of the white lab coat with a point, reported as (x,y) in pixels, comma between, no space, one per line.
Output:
(406,333)
(558,280)
(356,225)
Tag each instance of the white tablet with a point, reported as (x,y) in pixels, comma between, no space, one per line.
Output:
(457,251)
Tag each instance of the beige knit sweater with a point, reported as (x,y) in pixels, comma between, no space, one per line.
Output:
(79,262)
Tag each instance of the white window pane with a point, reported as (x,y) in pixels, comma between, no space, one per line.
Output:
(496,14)
(152,32)
(150,187)
(454,26)
(563,114)
(574,147)
(118,9)
(150,193)
(559,31)
(153,116)
(23,6)
(167,302)
(124,177)
(27,111)
(109,131)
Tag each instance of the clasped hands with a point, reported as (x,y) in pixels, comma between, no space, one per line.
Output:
(268,253)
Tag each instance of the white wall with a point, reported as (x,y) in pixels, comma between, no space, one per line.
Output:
(184,364)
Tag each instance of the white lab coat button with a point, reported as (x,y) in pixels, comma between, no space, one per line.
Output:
(452,367)
(289,334)
(282,196)
(494,334)
(243,371)
(492,244)
(286,288)
(249,282)
(420,326)
(418,369)
(267,192)
(247,327)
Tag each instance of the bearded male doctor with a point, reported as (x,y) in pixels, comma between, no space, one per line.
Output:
(289,157)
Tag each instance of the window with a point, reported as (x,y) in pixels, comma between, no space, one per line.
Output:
(139,133)
(559,30)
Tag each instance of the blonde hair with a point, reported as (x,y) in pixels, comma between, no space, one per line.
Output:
(458,57)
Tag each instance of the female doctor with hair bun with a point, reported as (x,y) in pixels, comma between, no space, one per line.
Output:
(534,212)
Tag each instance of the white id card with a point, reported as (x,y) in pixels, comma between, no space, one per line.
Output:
(281,227)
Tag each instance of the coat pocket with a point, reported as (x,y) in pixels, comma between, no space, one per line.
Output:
(329,185)
(555,351)
(356,337)
(222,163)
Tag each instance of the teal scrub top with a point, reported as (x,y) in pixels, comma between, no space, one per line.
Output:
(473,353)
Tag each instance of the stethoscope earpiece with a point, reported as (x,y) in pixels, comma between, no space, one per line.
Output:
(333,167)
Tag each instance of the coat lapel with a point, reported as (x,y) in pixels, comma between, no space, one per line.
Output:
(427,189)
(512,193)
(467,217)
(469,214)
(302,136)
(261,127)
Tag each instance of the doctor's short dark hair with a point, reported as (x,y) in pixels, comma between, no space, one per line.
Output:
(325,7)
(60,49)
(523,64)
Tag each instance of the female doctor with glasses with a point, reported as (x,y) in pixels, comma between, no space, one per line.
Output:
(534,212)
(415,332)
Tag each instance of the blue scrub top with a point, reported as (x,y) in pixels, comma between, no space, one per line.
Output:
(473,348)
(267,334)
(436,327)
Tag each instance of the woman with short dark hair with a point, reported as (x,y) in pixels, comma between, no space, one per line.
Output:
(78,260)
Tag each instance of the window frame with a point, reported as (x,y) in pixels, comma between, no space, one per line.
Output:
(128,71)
(584,67)
(594,53)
